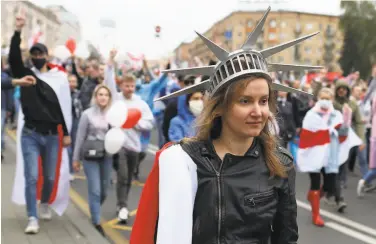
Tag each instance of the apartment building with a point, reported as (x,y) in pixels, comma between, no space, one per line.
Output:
(69,24)
(281,26)
(37,18)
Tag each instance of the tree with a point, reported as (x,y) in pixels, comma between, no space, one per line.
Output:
(358,23)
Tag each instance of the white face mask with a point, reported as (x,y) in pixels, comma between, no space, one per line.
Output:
(325,104)
(196,107)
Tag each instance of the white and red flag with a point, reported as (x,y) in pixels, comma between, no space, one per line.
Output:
(57,82)
(315,138)
(136,60)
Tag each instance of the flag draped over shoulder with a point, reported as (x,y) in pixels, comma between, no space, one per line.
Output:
(59,198)
(165,211)
(314,144)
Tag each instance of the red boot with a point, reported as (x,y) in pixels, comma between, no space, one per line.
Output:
(322,194)
(314,196)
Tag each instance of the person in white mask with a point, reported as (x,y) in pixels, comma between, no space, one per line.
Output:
(189,107)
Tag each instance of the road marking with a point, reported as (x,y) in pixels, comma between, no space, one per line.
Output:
(83,205)
(114,223)
(342,220)
(133,213)
(80,177)
(114,235)
(153,147)
(351,233)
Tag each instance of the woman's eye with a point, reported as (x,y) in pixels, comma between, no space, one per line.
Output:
(264,101)
(243,101)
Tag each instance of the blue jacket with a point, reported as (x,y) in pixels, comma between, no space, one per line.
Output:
(147,92)
(181,125)
(170,87)
(6,92)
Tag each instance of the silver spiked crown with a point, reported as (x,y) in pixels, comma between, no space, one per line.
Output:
(240,63)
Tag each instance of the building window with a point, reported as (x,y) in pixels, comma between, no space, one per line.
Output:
(297,26)
(307,61)
(307,50)
(309,26)
(273,23)
(249,23)
(283,24)
(282,36)
(272,36)
(320,26)
(280,59)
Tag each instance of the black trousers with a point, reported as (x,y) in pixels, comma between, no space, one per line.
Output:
(125,174)
(141,157)
(368,136)
(329,185)
(352,158)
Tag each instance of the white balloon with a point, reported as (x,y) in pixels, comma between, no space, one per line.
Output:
(114,140)
(82,50)
(62,52)
(117,114)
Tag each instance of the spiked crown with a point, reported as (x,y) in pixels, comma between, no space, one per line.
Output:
(240,63)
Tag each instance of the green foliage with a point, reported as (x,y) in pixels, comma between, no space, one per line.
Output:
(358,24)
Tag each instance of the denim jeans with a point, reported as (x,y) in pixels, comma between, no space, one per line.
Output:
(98,175)
(33,145)
(362,158)
(71,147)
(369,176)
(3,119)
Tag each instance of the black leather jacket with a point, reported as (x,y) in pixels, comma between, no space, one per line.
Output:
(237,202)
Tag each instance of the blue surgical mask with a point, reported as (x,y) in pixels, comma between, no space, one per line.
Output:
(325,104)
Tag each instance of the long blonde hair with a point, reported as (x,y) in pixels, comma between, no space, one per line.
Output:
(209,122)
(95,93)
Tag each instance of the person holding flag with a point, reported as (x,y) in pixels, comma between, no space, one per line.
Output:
(325,141)
(44,124)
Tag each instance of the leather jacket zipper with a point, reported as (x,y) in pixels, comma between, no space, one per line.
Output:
(218,173)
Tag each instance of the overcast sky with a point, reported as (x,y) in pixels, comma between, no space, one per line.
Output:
(136,19)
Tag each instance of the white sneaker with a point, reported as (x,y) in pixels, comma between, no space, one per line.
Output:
(45,211)
(123,214)
(329,200)
(360,188)
(32,226)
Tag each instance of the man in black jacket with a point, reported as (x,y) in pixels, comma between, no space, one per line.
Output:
(46,125)
(89,84)
(287,127)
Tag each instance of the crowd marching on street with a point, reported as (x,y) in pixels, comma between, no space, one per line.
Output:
(91,115)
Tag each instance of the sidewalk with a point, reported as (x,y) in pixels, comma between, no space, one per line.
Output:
(73,227)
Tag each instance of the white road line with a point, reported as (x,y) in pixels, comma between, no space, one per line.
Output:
(151,151)
(350,232)
(342,220)
(154,147)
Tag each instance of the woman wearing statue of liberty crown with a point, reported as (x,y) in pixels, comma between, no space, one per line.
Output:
(231,183)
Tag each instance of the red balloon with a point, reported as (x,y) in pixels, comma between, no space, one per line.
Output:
(71,45)
(134,115)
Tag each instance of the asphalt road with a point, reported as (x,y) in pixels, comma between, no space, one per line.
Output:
(356,226)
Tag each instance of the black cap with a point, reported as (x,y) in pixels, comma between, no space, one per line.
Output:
(39,47)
